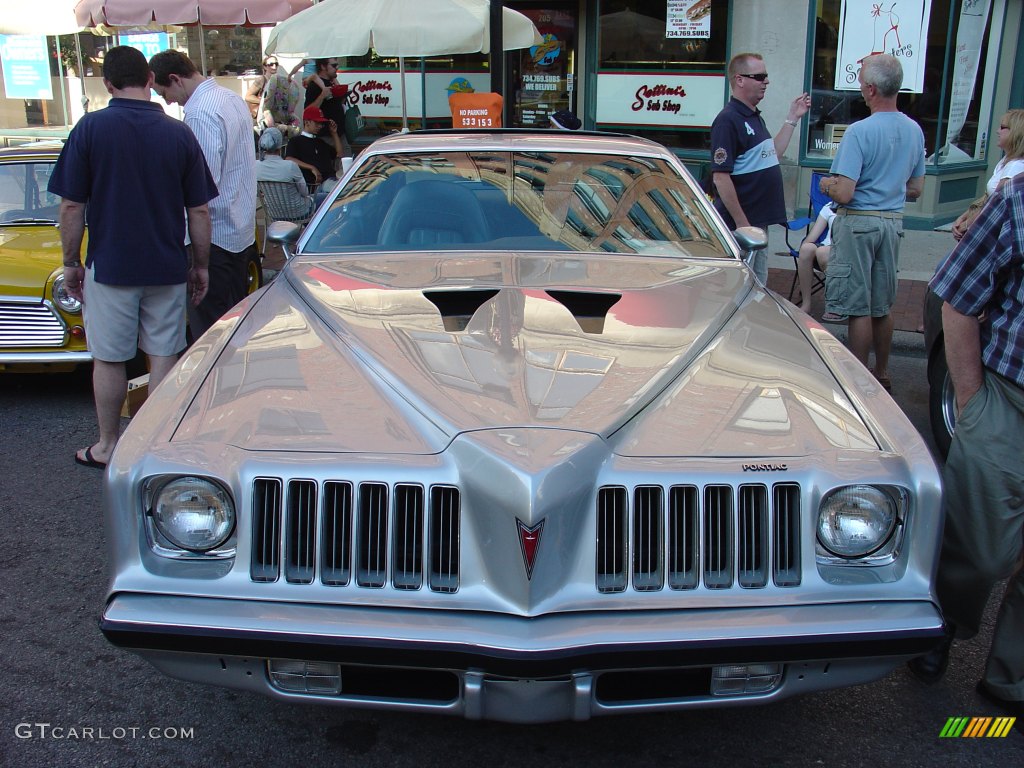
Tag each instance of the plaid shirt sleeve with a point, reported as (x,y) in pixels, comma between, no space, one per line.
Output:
(968,277)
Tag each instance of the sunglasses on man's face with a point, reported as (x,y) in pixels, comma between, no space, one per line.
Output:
(270,64)
(759,76)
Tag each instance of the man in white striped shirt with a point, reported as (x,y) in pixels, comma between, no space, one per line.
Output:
(222,123)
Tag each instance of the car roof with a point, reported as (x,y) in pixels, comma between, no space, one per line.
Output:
(519,140)
(33,150)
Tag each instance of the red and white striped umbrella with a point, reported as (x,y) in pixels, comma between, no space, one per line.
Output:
(209,13)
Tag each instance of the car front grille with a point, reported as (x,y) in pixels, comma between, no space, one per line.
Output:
(361,534)
(686,536)
(30,325)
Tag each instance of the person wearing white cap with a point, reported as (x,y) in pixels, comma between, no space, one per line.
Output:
(272,167)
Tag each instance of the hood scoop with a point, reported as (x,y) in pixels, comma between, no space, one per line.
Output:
(588,309)
(457,307)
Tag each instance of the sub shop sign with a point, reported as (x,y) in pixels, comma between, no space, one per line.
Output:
(660,98)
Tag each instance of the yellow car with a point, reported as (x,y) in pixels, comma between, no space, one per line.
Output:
(41,326)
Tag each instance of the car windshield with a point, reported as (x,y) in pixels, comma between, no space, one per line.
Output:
(546,201)
(23,195)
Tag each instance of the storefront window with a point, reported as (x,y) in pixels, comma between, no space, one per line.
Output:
(226,51)
(661,68)
(943,76)
(375,87)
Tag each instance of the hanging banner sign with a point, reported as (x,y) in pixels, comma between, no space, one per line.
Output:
(657,98)
(688,18)
(26,67)
(973,18)
(898,29)
(150,44)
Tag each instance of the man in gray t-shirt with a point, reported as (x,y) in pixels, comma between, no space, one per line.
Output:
(878,167)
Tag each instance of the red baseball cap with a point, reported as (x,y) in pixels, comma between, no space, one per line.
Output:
(315,114)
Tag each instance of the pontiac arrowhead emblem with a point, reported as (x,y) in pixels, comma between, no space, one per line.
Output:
(529,540)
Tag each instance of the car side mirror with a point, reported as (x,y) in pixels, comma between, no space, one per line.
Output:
(750,240)
(286,233)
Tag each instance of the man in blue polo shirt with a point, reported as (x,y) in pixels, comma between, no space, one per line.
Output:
(134,174)
(745,157)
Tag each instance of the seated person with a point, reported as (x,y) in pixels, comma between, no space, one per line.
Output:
(272,167)
(812,252)
(317,159)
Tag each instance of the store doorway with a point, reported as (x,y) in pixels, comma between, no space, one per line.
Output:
(542,80)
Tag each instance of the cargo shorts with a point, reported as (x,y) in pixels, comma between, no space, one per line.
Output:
(861,276)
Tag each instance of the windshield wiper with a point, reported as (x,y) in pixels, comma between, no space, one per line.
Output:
(28,221)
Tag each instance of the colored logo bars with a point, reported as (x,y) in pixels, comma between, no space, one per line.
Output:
(977,727)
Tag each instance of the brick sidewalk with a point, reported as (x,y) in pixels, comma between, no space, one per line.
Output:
(907,312)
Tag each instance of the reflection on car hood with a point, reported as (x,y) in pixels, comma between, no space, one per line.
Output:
(28,256)
(661,357)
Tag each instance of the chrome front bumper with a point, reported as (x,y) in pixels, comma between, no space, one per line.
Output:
(518,669)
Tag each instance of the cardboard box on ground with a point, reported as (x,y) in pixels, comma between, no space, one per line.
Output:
(138,389)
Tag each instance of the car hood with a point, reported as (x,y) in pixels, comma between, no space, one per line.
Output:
(401,353)
(28,256)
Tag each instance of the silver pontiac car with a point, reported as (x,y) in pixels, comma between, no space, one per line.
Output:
(516,435)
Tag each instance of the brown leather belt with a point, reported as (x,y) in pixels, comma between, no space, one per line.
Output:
(880,214)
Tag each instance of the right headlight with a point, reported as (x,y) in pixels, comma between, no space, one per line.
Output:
(193,513)
(64,299)
(856,521)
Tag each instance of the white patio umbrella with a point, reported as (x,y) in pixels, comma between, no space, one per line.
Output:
(397,28)
(39,17)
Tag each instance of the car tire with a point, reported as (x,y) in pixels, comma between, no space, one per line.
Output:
(942,408)
(254,273)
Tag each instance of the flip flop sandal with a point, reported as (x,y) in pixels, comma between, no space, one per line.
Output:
(89,461)
(832,317)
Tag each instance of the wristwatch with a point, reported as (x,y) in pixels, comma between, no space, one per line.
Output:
(794,123)
(75,263)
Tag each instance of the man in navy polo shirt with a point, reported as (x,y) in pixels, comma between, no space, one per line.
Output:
(745,156)
(134,173)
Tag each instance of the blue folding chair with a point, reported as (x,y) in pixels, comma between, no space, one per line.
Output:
(817,200)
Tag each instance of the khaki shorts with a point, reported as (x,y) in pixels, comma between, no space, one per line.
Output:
(122,319)
(861,276)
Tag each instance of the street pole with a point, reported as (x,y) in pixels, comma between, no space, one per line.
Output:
(497,43)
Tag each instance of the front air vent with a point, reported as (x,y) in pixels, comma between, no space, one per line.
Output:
(407,550)
(266,530)
(445,547)
(648,532)
(300,536)
(688,536)
(366,531)
(612,508)
(684,537)
(372,530)
(786,521)
(752,535)
(336,547)
(718,552)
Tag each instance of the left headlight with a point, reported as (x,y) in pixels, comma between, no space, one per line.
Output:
(856,521)
(193,513)
(63,299)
